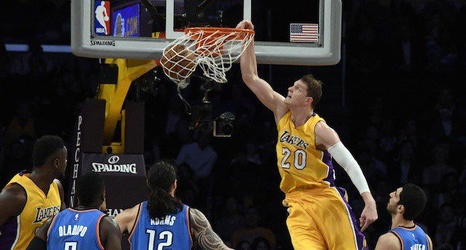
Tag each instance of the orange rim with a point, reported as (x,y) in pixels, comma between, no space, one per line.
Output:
(219,32)
(204,47)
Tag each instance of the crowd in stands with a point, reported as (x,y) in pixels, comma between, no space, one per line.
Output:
(404,120)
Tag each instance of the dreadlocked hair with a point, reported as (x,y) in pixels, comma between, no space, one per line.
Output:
(160,179)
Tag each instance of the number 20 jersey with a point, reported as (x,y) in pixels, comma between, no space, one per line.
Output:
(300,163)
(170,232)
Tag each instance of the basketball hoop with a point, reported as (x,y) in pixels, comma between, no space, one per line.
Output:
(215,49)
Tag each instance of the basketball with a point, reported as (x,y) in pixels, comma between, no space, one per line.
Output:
(178,61)
(106,18)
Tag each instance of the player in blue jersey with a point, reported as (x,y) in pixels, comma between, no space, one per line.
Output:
(163,221)
(84,227)
(405,204)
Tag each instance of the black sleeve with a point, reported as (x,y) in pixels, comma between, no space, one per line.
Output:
(37,244)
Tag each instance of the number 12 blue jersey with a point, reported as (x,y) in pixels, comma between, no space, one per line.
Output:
(170,232)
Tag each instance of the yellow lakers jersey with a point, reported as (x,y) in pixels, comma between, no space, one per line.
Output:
(300,163)
(39,207)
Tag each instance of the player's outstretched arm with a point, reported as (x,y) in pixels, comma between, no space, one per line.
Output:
(262,89)
(203,233)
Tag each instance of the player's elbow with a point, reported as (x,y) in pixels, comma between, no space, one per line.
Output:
(250,79)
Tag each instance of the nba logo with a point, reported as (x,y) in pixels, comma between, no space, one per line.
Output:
(102,18)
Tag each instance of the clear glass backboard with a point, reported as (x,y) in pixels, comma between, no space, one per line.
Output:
(287,32)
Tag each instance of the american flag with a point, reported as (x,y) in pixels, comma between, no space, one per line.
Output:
(304,32)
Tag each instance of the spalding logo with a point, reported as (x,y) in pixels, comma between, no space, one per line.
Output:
(113,159)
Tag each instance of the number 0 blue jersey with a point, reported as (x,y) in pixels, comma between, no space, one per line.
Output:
(75,229)
(171,232)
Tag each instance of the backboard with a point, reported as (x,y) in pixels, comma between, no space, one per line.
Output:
(287,32)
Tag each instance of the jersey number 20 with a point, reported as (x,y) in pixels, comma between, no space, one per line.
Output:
(299,158)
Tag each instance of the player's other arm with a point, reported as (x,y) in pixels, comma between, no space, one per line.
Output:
(203,233)
(39,242)
(388,241)
(110,234)
(62,194)
(429,241)
(262,89)
(13,200)
(126,219)
(328,139)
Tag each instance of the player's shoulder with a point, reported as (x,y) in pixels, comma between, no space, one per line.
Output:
(133,209)
(128,213)
(325,134)
(321,124)
(110,233)
(127,218)
(388,241)
(13,199)
(108,223)
(14,193)
(196,214)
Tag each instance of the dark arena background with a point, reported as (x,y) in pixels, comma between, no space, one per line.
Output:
(397,98)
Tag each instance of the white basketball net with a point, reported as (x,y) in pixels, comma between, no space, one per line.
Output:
(215,52)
